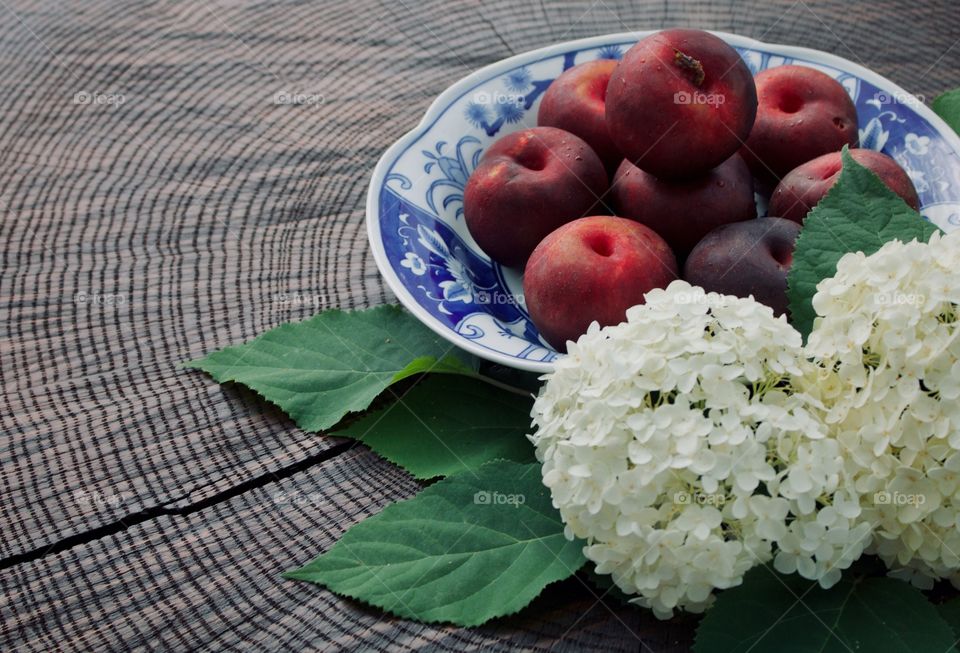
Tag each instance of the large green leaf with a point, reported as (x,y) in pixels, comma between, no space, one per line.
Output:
(336,362)
(947,106)
(471,547)
(770,613)
(950,613)
(858,214)
(445,425)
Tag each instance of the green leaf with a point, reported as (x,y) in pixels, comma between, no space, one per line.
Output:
(448,425)
(770,613)
(947,106)
(519,379)
(336,362)
(858,214)
(950,613)
(467,549)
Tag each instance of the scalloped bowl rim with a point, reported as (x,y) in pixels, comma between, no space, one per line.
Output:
(464,84)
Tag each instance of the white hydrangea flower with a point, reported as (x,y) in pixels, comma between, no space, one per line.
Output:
(888,333)
(676,446)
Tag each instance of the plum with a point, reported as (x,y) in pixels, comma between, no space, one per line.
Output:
(804,186)
(593,269)
(746,258)
(680,103)
(526,185)
(682,212)
(802,114)
(575,102)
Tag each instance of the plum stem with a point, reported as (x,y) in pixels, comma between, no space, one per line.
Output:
(692,67)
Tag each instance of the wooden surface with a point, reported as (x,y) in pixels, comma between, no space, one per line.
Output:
(158,203)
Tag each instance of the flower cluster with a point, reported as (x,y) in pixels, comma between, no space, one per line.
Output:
(888,332)
(680,445)
(700,438)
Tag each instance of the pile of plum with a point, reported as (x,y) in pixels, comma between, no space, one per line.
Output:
(663,152)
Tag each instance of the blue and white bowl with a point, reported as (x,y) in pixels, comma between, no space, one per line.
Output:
(415,202)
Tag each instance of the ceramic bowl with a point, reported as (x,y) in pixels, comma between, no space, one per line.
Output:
(415,201)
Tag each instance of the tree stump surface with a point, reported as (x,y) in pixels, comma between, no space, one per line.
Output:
(158,204)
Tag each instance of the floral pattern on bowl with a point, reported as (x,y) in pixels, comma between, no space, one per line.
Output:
(415,201)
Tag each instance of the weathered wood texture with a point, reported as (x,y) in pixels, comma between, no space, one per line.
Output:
(158,203)
(210,581)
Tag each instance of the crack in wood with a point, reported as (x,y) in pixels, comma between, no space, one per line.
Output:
(147,514)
